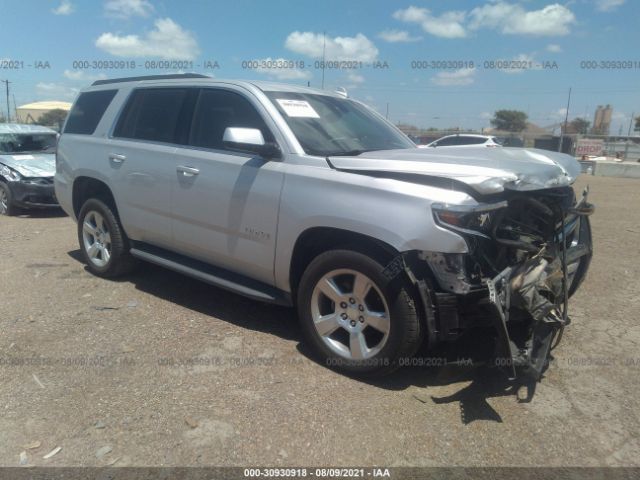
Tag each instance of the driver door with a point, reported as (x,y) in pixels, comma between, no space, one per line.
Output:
(225,203)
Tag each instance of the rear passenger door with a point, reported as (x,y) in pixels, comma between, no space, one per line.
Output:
(142,159)
(225,202)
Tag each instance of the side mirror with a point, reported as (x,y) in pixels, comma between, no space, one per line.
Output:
(250,140)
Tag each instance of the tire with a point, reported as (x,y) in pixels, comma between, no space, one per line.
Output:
(7,207)
(585,238)
(336,334)
(103,243)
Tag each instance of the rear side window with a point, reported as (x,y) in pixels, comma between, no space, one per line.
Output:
(152,114)
(87,111)
(218,109)
(445,142)
(472,140)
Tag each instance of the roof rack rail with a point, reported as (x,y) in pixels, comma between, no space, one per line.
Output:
(149,77)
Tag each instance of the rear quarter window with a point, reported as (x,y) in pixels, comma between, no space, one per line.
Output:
(87,111)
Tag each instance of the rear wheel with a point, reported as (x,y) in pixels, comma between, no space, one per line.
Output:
(103,243)
(356,319)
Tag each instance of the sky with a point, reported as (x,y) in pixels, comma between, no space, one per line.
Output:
(441,64)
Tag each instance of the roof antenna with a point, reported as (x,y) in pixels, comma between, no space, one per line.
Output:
(342,92)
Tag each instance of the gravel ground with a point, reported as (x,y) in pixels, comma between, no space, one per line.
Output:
(159,369)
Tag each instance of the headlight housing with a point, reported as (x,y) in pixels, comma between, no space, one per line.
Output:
(468,219)
(10,174)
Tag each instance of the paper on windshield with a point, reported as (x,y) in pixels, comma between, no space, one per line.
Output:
(297,108)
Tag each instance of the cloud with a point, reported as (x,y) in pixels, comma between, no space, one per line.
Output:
(397,36)
(128,8)
(358,48)
(354,79)
(559,114)
(447,25)
(167,40)
(65,8)
(513,19)
(281,73)
(608,5)
(55,91)
(464,76)
(80,75)
(554,48)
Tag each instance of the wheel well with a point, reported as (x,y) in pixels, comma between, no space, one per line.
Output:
(315,241)
(85,188)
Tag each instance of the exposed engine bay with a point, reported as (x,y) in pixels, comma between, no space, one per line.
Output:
(527,255)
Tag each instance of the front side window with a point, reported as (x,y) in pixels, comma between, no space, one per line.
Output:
(215,111)
(152,114)
(326,125)
(27,142)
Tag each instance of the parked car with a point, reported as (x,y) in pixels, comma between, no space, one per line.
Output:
(27,167)
(303,197)
(465,140)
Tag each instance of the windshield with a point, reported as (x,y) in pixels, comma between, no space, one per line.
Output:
(27,142)
(326,125)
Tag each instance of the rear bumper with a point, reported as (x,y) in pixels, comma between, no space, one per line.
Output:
(34,195)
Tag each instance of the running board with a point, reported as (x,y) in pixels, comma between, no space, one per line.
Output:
(212,275)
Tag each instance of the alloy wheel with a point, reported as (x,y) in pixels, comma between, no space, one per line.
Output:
(350,314)
(4,202)
(96,238)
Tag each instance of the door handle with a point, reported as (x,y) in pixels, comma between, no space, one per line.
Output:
(117,158)
(188,171)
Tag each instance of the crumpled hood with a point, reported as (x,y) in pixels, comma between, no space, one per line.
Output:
(31,165)
(486,170)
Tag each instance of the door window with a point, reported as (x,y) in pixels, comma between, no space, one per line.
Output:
(217,110)
(152,114)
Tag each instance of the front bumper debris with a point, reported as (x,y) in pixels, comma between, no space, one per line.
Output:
(535,295)
(525,299)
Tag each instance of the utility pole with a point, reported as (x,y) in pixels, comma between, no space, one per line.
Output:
(627,141)
(566,120)
(7,82)
(387,115)
(15,107)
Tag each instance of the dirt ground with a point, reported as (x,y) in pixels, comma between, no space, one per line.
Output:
(159,369)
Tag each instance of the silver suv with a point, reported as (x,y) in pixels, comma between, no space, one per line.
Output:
(307,198)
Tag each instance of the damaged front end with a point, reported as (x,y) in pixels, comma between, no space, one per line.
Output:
(528,253)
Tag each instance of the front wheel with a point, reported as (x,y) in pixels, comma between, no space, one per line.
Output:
(356,319)
(104,245)
(6,201)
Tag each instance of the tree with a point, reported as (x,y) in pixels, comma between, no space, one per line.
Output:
(55,117)
(637,127)
(509,120)
(578,125)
